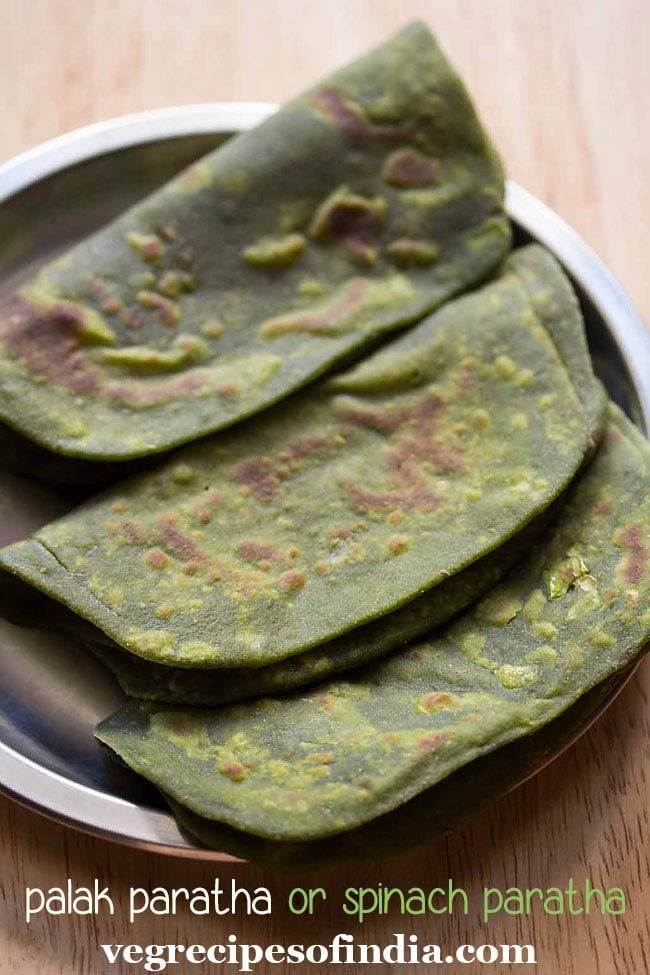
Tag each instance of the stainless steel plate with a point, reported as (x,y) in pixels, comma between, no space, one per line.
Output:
(52,692)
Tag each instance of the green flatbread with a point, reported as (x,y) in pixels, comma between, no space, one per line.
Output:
(356,209)
(444,807)
(312,765)
(25,606)
(181,685)
(345,502)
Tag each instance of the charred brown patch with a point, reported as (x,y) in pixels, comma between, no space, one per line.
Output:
(233,770)
(383,421)
(423,445)
(323,320)
(435,701)
(227,389)
(418,448)
(165,310)
(131,319)
(258,476)
(349,117)
(419,415)
(111,306)
(419,498)
(634,566)
(409,169)
(293,580)
(149,246)
(348,217)
(171,518)
(157,559)
(350,220)
(431,743)
(306,447)
(149,394)
(179,544)
(132,532)
(444,457)
(260,552)
(46,340)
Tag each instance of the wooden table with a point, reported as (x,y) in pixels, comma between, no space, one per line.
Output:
(565,90)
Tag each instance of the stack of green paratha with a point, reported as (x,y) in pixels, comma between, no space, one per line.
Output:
(318,550)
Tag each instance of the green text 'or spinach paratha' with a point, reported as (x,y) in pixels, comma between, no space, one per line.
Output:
(311,765)
(357,208)
(343,503)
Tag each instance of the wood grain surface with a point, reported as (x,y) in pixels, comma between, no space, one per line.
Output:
(565,90)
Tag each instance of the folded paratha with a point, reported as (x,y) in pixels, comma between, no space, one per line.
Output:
(183,685)
(451,803)
(346,502)
(358,208)
(310,765)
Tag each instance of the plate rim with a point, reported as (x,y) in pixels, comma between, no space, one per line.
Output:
(80,806)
